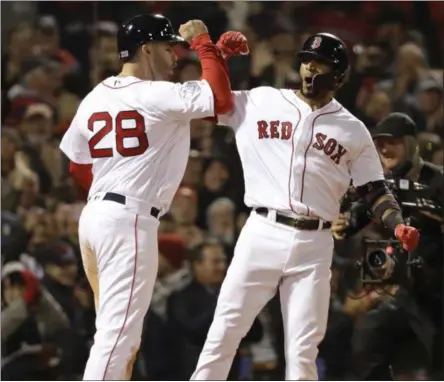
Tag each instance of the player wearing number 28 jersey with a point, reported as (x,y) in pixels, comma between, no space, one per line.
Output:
(129,144)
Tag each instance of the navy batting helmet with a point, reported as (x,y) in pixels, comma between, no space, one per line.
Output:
(327,48)
(142,29)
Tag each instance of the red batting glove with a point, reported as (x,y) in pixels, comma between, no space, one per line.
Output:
(32,287)
(408,236)
(233,44)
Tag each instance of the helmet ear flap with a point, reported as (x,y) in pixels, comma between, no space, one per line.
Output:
(341,77)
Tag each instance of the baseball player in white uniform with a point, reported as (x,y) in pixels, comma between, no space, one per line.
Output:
(132,131)
(299,150)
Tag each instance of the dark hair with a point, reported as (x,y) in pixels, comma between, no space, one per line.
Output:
(15,279)
(195,253)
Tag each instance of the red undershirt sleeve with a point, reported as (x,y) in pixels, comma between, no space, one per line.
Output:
(215,72)
(82,174)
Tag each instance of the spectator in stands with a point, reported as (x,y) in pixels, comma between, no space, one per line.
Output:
(202,136)
(31,319)
(215,185)
(431,101)
(193,172)
(377,108)
(47,43)
(67,219)
(104,58)
(187,69)
(15,170)
(189,326)
(391,26)
(40,79)
(14,237)
(18,49)
(172,274)
(221,223)
(410,70)
(281,72)
(184,206)
(61,270)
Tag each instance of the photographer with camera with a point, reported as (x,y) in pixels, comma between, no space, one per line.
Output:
(30,320)
(404,333)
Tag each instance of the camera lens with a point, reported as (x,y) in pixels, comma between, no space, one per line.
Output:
(377,259)
(380,264)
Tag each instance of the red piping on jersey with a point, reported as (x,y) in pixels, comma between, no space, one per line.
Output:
(82,174)
(306,150)
(124,86)
(291,160)
(129,300)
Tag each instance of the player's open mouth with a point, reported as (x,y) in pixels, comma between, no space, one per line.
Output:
(308,82)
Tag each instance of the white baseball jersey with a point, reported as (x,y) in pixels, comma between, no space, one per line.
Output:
(295,160)
(136,134)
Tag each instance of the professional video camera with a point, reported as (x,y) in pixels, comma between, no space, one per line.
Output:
(414,197)
(385,262)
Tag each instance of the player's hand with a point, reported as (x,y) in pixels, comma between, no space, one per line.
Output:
(192,29)
(233,44)
(408,236)
(339,226)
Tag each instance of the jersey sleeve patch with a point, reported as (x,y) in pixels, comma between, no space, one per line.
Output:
(189,89)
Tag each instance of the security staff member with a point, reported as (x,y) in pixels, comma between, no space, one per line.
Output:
(405,332)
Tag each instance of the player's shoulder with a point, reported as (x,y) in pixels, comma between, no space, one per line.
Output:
(259,91)
(174,86)
(255,95)
(346,116)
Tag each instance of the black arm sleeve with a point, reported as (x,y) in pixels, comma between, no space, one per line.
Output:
(372,191)
(384,206)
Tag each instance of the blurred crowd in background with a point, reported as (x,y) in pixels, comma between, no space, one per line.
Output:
(53,53)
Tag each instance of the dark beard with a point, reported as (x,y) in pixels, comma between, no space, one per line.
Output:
(313,95)
(310,93)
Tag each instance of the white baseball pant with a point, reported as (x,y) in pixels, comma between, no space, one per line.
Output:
(269,255)
(120,257)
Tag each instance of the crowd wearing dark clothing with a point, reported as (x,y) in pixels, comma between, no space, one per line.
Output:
(55,52)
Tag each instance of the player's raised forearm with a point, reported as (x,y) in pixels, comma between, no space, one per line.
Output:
(214,71)
(386,209)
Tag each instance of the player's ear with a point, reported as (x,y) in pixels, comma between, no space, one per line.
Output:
(147,49)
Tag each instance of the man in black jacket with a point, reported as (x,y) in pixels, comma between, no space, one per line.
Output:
(191,310)
(405,332)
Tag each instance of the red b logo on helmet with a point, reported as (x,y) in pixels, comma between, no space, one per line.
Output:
(316,42)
